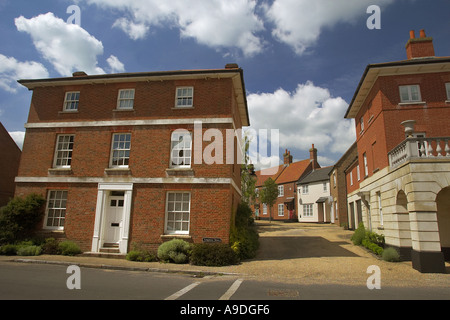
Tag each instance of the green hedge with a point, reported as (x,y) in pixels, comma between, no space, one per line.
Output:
(213,255)
(175,250)
(244,239)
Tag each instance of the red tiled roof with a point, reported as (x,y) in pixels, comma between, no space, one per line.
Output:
(283,174)
(263,175)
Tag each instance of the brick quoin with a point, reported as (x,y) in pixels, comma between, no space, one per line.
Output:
(214,189)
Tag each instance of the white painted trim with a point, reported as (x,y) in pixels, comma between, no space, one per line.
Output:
(112,123)
(114,180)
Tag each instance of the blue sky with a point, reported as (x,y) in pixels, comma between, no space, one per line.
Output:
(302,59)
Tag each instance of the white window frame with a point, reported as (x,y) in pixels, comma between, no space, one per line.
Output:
(358,174)
(264,208)
(184,97)
(125,99)
(177,207)
(361,121)
(71,101)
(280,191)
(56,207)
(351,178)
(281,210)
(305,189)
(181,146)
(366,168)
(380,208)
(325,187)
(308,210)
(122,148)
(408,90)
(63,151)
(447,88)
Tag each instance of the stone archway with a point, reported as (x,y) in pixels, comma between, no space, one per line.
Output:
(443,217)
(403,225)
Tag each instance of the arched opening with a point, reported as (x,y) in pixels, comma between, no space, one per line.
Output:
(404,228)
(443,217)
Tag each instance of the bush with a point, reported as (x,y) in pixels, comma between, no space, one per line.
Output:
(244,239)
(391,255)
(50,246)
(373,237)
(68,248)
(140,255)
(213,255)
(29,251)
(359,235)
(18,219)
(175,250)
(8,250)
(372,246)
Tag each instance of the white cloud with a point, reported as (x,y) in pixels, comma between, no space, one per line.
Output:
(134,30)
(310,115)
(215,23)
(18,137)
(12,70)
(115,64)
(299,23)
(67,46)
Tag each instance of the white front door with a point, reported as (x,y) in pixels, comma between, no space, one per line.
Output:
(114,217)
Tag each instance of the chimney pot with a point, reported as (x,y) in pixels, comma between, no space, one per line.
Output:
(412,34)
(422,33)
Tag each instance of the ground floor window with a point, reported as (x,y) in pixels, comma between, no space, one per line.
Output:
(56,209)
(178,206)
(308,210)
(280,210)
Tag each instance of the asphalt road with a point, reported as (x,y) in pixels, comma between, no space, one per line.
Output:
(21,281)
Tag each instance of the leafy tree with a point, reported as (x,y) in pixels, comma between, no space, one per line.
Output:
(18,219)
(269,195)
(248,177)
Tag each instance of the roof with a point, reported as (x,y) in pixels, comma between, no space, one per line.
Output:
(80,78)
(317,175)
(282,173)
(373,71)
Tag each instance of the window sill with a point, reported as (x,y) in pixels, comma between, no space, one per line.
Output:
(124,110)
(68,112)
(166,237)
(447,101)
(118,171)
(182,108)
(412,103)
(60,171)
(183,172)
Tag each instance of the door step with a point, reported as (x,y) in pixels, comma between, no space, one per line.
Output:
(110,248)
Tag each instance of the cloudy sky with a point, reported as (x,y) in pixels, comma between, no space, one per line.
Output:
(302,59)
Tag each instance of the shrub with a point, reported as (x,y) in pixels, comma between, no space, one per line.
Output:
(244,239)
(19,217)
(8,250)
(213,255)
(68,248)
(359,235)
(29,251)
(141,256)
(391,255)
(50,246)
(372,246)
(175,250)
(373,237)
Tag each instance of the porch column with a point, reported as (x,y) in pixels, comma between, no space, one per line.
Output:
(98,218)
(426,252)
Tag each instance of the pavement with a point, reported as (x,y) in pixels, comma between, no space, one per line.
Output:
(290,253)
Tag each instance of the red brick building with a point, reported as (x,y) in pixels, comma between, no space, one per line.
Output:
(286,177)
(402,111)
(128,158)
(9,165)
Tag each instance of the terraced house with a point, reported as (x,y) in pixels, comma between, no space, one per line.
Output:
(402,111)
(119,157)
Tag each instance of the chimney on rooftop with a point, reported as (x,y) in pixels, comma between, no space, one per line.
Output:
(287,157)
(313,156)
(421,47)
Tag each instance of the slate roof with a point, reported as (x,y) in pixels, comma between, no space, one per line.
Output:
(317,175)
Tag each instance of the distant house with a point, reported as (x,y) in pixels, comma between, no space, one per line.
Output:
(313,192)
(286,177)
(9,165)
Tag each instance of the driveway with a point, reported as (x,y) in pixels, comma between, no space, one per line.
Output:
(324,254)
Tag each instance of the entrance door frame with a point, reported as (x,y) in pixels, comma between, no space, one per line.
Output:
(104,190)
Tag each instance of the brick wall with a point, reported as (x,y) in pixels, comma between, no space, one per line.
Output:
(9,165)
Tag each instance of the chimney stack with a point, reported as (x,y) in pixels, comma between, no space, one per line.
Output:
(313,156)
(421,47)
(287,157)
